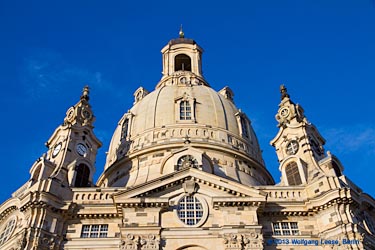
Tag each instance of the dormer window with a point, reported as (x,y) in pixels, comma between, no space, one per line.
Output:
(124,129)
(244,128)
(185,110)
(244,125)
(182,62)
(292,174)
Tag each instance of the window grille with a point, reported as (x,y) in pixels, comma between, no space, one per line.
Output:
(285,228)
(292,174)
(94,231)
(8,229)
(185,110)
(190,210)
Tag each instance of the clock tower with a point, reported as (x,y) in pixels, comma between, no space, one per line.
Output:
(73,146)
(299,146)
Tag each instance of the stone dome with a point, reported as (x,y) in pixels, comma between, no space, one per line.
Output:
(183,123)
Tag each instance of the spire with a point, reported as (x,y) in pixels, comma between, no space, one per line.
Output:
(181,33)
(81,113)
(288,112)
(283,91)
(85,93)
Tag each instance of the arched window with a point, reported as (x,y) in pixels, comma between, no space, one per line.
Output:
(124,129)
(187,161)
(245,131)
(7,230)
(82,176)
(182,62)
(185,110)
(292,174)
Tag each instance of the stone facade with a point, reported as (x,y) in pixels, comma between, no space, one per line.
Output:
(184,170)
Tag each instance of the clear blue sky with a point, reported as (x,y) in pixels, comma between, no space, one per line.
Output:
(322,50)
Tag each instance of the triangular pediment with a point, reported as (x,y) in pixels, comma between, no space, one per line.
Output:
(220,188)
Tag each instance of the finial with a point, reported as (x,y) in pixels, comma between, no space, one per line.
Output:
(85,93)
(283,91)
(181,33)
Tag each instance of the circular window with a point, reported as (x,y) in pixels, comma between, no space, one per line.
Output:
(7,231)
(190,210)
(292,147)
(187,161)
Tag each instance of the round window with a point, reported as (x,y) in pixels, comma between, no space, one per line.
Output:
(190,210)
(187,161)
(7,231)
(292,147)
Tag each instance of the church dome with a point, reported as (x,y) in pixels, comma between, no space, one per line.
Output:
(183,123)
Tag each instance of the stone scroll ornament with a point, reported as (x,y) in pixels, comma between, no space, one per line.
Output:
(143,242)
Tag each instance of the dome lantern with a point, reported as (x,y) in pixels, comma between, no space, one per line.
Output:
(182,55)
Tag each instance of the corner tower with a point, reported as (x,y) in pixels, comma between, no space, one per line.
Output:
(73,146)
(299,146)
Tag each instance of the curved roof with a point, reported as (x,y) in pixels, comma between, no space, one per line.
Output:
(156,124)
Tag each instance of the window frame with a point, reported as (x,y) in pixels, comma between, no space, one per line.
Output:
(185,111)
(293,174)
(284,228)
(180,106)
(94,231)
(125,129)
(190,210)
(244,127)
(7,230)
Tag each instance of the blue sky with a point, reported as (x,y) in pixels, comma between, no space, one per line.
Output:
(322,50)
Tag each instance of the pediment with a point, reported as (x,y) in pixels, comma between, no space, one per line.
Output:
(218,188)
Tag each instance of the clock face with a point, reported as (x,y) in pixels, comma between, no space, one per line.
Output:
(292,147)
(56,149)
(86,114)
(81,149)
(284,112)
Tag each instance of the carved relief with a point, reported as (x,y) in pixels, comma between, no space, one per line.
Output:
(131,242)
(139,94)
(46,242)
(149,242)
(143,242)
(252,241)
(233,241)
(243,241)
(190,187)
